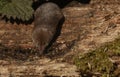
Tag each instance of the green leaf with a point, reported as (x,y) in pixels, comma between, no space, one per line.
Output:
(21,9)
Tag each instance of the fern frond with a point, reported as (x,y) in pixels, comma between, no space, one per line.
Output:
(21,9)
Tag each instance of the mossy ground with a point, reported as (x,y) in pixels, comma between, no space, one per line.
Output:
(98,61)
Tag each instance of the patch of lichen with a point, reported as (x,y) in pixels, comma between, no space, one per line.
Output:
(98,61)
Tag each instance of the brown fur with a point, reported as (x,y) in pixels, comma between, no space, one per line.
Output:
(47,17)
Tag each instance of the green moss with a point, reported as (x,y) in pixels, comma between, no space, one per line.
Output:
(98,61)
(94,62)
(113,48)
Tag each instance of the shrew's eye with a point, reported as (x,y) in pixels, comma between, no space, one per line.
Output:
(44,43)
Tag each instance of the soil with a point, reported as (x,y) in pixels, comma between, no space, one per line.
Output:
(86,28)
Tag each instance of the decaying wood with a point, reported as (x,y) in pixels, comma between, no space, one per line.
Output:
(40,68)
(84,29)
